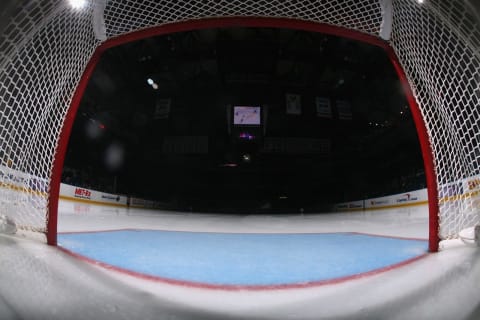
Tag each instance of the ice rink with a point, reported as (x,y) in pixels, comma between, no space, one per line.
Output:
(42,282)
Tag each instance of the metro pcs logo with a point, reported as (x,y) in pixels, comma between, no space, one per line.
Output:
(82,193)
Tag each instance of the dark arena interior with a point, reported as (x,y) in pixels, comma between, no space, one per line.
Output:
(239,159)
(158,121)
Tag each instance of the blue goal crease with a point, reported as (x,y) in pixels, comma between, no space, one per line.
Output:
(243,259)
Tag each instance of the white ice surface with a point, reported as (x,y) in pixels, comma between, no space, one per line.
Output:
(41,282)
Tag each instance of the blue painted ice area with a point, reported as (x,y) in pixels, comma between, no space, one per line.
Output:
(243,259)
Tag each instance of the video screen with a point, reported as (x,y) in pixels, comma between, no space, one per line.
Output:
(246,115)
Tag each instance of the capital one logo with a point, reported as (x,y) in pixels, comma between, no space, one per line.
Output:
(407,197)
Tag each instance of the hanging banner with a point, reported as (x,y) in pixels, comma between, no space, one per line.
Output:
(344,110)
(293,102)
(162,108)
(324,109)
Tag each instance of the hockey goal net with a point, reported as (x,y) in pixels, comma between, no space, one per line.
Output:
(46,49)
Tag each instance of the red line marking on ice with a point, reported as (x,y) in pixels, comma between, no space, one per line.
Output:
(254,233)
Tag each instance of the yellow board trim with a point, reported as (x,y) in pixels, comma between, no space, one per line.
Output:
(45,194)
(392,206)
(22,189)
(459,197)
(399,205)
(93,202)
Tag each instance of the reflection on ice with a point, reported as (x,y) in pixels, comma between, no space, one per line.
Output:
(404,222)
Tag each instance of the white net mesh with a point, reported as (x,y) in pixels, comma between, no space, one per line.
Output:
(46,45)
(438,46)
(46,48)
(126,16)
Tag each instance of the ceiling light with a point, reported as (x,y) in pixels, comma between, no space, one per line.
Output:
(155,86)
(77,4)
(150,81)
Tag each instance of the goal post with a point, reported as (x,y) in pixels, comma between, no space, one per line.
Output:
(246,22)
(49,51)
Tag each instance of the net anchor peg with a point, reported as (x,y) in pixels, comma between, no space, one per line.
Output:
(477,235)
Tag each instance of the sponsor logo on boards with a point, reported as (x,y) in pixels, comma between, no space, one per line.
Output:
(406,198)
(82,193)
(377,202)
(473,184)
(111,197)
(451,190)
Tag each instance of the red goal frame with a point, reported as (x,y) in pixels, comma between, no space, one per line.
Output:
(422,133)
